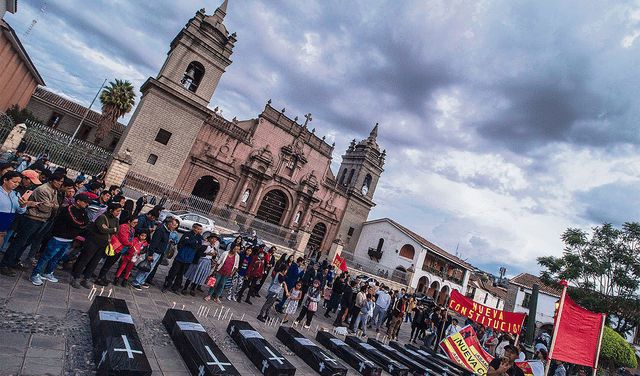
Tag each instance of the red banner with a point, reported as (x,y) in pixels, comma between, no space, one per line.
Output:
(578,333)
(465,349)
(490,317)
(340,263)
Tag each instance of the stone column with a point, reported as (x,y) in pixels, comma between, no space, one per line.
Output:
(14,138)
(256,200)
(336,249)
(118,169)
(409,277)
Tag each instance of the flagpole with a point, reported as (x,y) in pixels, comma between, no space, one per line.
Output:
(595,367)
(555,330)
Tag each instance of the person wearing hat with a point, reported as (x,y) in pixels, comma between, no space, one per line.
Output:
(506,364)
(68,223)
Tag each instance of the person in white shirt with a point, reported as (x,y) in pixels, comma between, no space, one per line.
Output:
(453,328)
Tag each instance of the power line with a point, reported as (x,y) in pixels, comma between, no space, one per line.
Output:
(67,73)
(35,21)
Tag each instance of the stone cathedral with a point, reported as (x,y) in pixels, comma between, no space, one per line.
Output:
(271,167)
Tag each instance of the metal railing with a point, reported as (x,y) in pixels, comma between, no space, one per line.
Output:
(6,125)
(365,264)
(441,274)
(80,156)
(173,199)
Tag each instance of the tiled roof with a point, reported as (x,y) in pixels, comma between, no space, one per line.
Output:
(71,107)
(528,280)
(427,244)
(497,291)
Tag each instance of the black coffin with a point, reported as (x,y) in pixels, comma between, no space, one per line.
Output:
(311,353)
(425,360)
(392,366)
(441,359)
(415,367)
(117,349)
(201,355)
(349,355)
(264,356)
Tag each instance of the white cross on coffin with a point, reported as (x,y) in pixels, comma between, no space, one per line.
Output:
(215,360)
(127,348)
(321,365)
(104,356)
(329,359)
(390,367)
(265,365)
(232,329)
(201,369)
(274,357)
(361,367)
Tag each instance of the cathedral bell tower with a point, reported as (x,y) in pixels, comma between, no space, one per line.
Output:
(359,174)
(173,106)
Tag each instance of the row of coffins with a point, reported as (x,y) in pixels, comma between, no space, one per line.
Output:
(118,349)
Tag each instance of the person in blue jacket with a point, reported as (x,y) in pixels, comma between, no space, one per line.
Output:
(187,247)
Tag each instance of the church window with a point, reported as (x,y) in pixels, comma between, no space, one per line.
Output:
(342,175)
(297,218)
(367,181)
(163,136)
(245,196)
(353,171)
(83,133)
(114,143)
(54,120)
(192,76)
(272,207)
(351,230)
(152,159)
(317,235)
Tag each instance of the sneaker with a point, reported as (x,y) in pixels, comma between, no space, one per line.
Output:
(36,280)
(306,326)
(284,322)
(101,282)
(235,299)
(218,300)
(207,298)
(229,298)
(263,319)
(145,285)
(7,272)
(49,277)
(74,283)
(19,266)
(136,287)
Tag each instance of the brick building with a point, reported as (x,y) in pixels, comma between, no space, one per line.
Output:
(271,167)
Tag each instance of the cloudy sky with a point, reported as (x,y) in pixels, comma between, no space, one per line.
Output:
(504,122)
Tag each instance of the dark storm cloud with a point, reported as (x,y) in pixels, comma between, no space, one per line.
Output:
(614,203)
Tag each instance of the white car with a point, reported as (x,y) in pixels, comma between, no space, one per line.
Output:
(187,219)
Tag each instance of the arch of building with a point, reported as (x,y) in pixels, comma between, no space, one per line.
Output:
(445,291)
(318,233)
(433,288)
(423,284)
(407,251)
(207,187)
(274,205)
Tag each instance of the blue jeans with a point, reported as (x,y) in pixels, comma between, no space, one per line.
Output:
(35,241)
(362,317)
(142,276)
(408,318)
(7,236)
(52,254)
(378,316)
(26,229)
(216,290)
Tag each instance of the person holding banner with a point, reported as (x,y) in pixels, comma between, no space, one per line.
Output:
(505,365)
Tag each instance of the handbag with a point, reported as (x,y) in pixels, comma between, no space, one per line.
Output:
(211,281)
(144,265)
(170,252)
(313,306)
(109,250)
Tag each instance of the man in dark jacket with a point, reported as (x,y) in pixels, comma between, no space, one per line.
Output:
(336,294)
(308,277)
(67,225)
(156,249)
(187,247)
(270,258)
(253,275)
(347,297)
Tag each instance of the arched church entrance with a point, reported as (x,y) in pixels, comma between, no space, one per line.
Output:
(272,207)
(317,235)
(207,187)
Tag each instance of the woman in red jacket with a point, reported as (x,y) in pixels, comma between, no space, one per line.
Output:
(121,242)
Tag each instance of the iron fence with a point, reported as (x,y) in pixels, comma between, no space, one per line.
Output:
(80,155)
(6,125)
(370,266)
(173,199)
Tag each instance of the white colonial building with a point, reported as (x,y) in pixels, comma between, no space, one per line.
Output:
(481,289)
(519,294)
(387,249)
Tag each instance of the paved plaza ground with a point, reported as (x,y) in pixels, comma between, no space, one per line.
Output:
(45,330)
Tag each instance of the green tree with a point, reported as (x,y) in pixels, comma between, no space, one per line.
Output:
(615,351)
(21,115)
(117,100)
(603,272)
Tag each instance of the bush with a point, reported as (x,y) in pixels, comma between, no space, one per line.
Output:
(616,351)
(21,115)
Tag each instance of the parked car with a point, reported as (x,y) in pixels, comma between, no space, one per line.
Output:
(425,300)
(367,279)
(187,219)
(247,240)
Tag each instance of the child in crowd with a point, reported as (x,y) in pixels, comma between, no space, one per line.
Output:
(292,302)
(327,294)
(310,304)
(131,257)
(274,290)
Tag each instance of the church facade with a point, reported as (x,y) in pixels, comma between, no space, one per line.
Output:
(271,168)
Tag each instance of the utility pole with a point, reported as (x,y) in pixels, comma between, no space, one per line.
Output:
(86,113)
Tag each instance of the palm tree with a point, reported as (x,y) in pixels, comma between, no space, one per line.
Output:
(117,100)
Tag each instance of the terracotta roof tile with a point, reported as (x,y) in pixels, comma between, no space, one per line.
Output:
(71,107)
(527,280)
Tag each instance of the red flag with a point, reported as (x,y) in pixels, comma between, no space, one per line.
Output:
(493,318)
(340,263)
(578,334)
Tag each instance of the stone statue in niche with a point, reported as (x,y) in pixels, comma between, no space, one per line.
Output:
(297,218)
(245,196)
